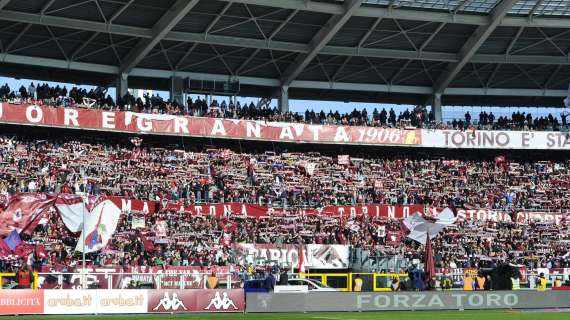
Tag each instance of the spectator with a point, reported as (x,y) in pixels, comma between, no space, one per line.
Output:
(395,285)
(283,278)
(269,282)
(515,282)
(24,277)
(480,281)
(468,283)
(212,281)
(357,283)
(541,283)
(488,283)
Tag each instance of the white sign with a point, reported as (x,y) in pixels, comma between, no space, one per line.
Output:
(487,139)
(95,301)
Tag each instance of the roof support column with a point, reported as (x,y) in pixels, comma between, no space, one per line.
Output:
(284,99)
(177,90)
(436,107)
(122,86)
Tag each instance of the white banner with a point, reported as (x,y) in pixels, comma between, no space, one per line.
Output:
(95,301)
(483,139)
(315,256)
(344,159)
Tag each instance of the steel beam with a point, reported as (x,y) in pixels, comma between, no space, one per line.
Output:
(320,40)
(472,45)
(268,82)
(409,13)
(270,45)
(3,3)
(168,21)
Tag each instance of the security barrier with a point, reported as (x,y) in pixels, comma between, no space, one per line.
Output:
(339,281)
(371,282)
(123,280)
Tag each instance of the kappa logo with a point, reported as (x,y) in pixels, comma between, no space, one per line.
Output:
(221,303)
(170,303)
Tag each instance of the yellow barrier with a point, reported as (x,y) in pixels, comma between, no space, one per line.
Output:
(325,277)
(344,281)
(13,274)
(387,277)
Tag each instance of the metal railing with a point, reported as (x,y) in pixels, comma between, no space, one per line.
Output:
(114,280)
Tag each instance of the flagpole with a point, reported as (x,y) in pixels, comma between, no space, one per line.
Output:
(83,242)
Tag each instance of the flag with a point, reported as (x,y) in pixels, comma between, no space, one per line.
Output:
(100,225)
(310,168)
(71,208)
(13,240)
(418,228)
(301,259)
(4,249)
(41,251)
(393,238)
(24,212)
(138,223)
(343,159)
(147,244)
(24,249)
(429,264)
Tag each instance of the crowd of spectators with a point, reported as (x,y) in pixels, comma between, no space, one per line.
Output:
(279,178)
(517,121)
(98,98)
(418,117)
(291,180)
(207,241)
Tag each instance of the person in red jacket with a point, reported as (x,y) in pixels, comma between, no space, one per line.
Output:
(24,277)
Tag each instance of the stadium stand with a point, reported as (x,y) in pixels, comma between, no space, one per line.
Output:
(282,179)
(131,203)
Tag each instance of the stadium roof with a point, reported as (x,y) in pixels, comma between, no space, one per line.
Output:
(511,52)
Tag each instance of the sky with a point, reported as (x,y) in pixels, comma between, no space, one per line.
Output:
(449,112)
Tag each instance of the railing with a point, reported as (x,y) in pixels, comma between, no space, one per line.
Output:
(112,280)
(372,282)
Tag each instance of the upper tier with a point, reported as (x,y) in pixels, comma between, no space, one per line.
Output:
(140,123)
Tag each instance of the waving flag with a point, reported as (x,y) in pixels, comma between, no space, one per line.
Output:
(4,249)
(419,228)
(429,264)
(24,212)
(13,240)
(301,258)
(71,209)
(100,225)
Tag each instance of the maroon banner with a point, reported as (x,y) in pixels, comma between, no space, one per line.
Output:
(251,210)
(204,127)
(180,301)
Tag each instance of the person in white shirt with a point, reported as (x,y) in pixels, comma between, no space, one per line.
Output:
(32,186)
